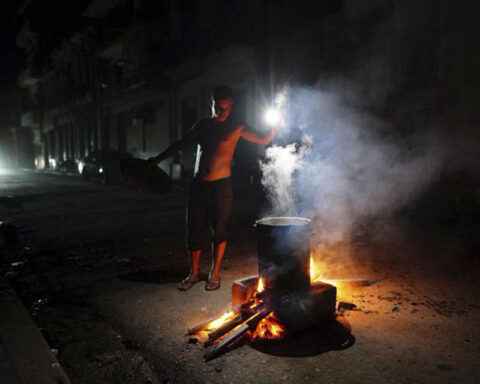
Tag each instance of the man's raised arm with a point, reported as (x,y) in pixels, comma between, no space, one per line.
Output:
(255,137)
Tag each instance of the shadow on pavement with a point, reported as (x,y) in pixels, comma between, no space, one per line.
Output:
(158,276)
(331,336)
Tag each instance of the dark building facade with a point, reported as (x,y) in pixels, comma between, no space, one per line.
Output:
(134,75)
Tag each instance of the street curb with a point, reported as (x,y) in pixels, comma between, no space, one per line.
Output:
(25,356)
(53,172)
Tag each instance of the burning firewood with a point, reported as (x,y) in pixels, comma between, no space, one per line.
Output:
(212,323)
(244,314)
(269,328)
(200,327)
(287,297)
(225,328)
(244,306)
(237,333)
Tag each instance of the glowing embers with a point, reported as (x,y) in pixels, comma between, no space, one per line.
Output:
(250,321)
(217,323)
(269,328)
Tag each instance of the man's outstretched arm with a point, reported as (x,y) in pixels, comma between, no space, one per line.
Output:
(190,138)
(254,137)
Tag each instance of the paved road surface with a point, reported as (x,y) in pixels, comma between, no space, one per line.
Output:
(102,265)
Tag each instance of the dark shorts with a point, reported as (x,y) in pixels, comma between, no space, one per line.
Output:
(208,210)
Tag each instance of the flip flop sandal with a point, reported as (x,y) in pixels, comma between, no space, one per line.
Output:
(186,284)
(213,285)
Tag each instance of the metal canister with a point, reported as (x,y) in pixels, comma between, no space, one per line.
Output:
(284,253)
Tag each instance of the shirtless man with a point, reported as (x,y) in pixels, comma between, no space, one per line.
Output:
(210,197)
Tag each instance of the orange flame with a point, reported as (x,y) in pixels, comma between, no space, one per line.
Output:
(260,285)
(269,328)
(314,271)
(317,270)
(217,323)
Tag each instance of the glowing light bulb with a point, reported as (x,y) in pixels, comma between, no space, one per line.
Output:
(272,116)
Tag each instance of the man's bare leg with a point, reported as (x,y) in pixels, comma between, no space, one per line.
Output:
(192,278)
(214,278)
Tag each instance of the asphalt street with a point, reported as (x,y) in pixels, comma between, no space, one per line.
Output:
(98,268)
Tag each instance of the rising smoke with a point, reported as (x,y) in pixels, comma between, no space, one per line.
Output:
(348,167)
(397,115)
(278,169)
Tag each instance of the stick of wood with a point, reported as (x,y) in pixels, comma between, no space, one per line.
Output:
(200,327)
(355,282)
(204,324)
(228,326)
(244,306)
(223,346)
(237,334)
(219,332)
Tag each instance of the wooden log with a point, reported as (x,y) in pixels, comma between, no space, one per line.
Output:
(204,324)
(224,345)
(260,295)
(225,328)
(200,327)
(244,306)
(237,334)
(355,282)
(228,326)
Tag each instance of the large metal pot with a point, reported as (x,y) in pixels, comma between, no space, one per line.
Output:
(284,253)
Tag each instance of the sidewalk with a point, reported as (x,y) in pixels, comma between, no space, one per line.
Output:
(25,356)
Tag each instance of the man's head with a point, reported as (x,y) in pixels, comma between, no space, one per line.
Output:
(222,101)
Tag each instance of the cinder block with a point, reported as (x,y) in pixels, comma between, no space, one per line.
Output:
(243,290)
(300,312)
(297,311)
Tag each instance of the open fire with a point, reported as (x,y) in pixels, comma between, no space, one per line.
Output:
(344,286)
(289,295)
(217,323)
(252,320)
(269,328)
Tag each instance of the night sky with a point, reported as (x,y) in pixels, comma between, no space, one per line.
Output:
(10,56)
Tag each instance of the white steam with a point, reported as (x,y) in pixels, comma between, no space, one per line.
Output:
(278,170)
(354,167)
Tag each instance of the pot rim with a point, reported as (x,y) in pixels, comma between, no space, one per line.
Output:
(283,221)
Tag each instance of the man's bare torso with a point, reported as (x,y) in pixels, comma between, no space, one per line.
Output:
(217,142)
